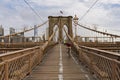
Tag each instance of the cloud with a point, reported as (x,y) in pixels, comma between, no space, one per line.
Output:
(53,3)
(15,13)
(105,13)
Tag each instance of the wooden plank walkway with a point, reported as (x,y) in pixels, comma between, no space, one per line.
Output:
(58,66)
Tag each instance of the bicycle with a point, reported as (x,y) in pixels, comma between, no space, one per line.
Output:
(69,51)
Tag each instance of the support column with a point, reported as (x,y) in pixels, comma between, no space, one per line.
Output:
(70,26)
(60,29)
(50,26)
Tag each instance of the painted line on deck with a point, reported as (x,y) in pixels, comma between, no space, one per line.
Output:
(60,75)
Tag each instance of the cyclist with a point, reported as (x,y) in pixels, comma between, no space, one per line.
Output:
(69,48)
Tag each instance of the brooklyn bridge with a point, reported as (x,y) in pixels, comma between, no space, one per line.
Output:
(95,57)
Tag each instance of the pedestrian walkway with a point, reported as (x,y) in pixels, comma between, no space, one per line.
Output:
(58,66)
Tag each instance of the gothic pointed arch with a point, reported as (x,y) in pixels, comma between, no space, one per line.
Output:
(60,21)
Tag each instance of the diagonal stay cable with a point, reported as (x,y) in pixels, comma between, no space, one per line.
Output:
(33,10)
(105,33)
(24,30)
(88,10)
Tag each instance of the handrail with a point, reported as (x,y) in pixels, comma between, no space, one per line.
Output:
(104,64)
(100,51)
(89,48)
(19,51)
(17,64)
(20,45)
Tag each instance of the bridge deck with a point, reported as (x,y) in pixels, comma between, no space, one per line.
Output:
(58,66)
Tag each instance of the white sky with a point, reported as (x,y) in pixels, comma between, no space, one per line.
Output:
(15,13)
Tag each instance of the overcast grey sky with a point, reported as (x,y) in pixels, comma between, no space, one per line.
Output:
(15,13)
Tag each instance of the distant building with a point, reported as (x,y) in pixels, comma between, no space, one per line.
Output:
(16,38)
(1,33)
(12,30)
(6,39)
(86,39)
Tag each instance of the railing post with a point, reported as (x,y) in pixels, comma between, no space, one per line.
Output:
(30,63)
(80,54)
(6,70)
(114,70)
(91,58)
(39,55)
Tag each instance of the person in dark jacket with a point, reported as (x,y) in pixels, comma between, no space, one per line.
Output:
(69,48)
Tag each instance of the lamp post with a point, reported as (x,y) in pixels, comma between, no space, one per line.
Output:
(75,20)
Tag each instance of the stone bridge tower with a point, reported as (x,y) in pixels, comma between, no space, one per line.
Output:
(60,21)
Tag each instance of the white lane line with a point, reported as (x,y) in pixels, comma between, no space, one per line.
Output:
(60,75)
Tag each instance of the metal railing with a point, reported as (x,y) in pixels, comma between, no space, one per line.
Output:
(105,67)
(20,45)
(17,67)
(18,64)
(113,47)
(103,64)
